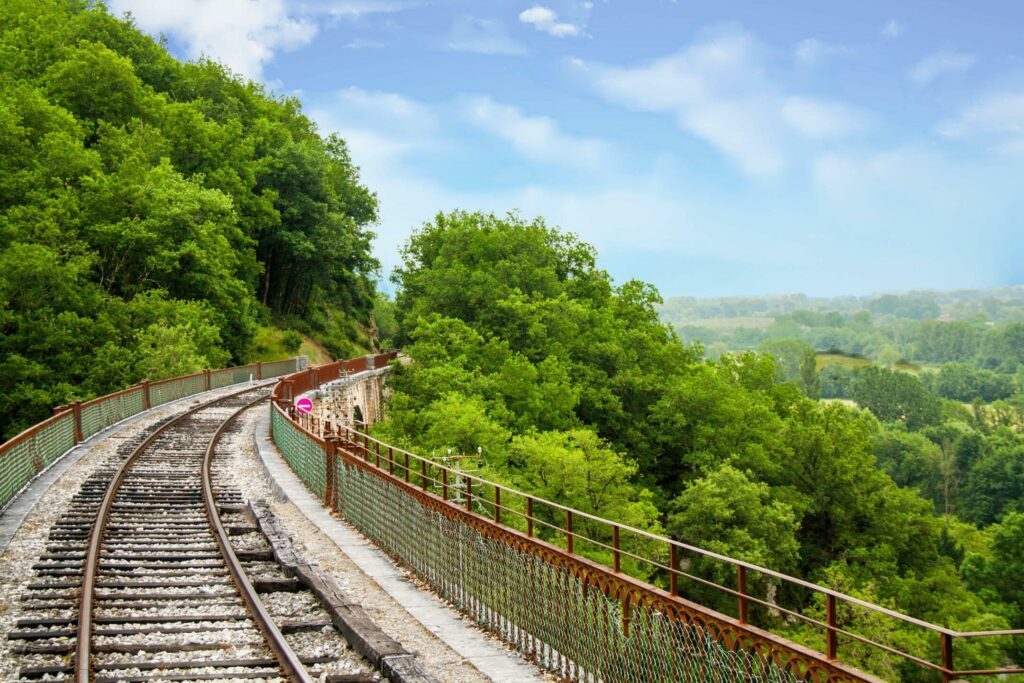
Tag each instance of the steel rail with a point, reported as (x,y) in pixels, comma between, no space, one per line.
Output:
(284,653)
(83,647)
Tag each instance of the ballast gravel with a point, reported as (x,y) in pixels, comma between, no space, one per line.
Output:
(31,539)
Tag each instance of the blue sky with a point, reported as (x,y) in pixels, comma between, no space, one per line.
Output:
(726,148)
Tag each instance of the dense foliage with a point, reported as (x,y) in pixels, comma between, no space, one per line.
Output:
(153,212)
(572,389)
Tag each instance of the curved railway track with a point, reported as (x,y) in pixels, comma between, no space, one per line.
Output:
(164,594)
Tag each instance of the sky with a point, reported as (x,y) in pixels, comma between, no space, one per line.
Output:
(736,147)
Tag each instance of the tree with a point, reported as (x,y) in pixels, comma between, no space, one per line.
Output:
(729,513)
(961,382)
(796,362)
(131,180)
(998,575)
(994,485)
(895,396)
(577,469)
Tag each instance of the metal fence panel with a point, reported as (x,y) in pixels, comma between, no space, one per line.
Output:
(303,453)
(100,413)
(171,390)
(280,367)
(229,376)
(31,453)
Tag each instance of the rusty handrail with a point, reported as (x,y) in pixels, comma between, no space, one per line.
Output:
(416,468)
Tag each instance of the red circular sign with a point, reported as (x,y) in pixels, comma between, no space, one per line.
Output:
(304,405)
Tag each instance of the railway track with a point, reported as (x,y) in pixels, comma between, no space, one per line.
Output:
(159,571)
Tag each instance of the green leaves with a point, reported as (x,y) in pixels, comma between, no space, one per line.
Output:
(729,513)
(95,83)
(895,396)
(129,180)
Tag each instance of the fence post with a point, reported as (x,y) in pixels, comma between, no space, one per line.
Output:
(741,588)
(568,531)
(469,494)
(947,658)
(147,402)
(497,504)
(444,483)
(76,407)
(206,378)
(331,458)
(529,517)
(673,563)
(831,639)
(616,556)
(259,369)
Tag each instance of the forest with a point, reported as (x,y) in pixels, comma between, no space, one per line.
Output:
(525,349)
(156,215)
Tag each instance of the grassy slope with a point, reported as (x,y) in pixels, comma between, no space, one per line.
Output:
(269,344)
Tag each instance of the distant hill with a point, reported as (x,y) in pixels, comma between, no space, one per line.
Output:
(997,303)
(930,327)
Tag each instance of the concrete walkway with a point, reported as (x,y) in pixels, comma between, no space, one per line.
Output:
(492,659)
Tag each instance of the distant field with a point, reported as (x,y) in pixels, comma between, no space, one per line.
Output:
(844,401)
(823,360)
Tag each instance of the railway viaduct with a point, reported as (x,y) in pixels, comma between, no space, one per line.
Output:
(244,524)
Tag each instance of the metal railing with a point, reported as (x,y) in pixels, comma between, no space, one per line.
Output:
(619,559)
(26,455)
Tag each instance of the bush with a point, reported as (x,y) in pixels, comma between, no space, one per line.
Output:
(291,341)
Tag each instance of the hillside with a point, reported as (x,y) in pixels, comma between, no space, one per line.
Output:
(154,214)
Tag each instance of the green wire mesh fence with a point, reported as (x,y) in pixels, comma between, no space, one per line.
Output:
(23,457)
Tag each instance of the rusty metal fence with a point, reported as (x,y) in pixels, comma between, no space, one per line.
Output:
(585,597)
(23,457)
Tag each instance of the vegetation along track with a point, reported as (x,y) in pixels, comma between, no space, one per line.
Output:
(156,572)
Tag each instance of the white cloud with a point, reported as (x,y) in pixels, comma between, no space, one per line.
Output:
(713,89)
(811,52)
(243,34)
(999,116)
(546,19)
(536,137)
(818,119)
(390,108)
(891,29)
(482,36)
(717,90)
(943,63)
(360,8)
